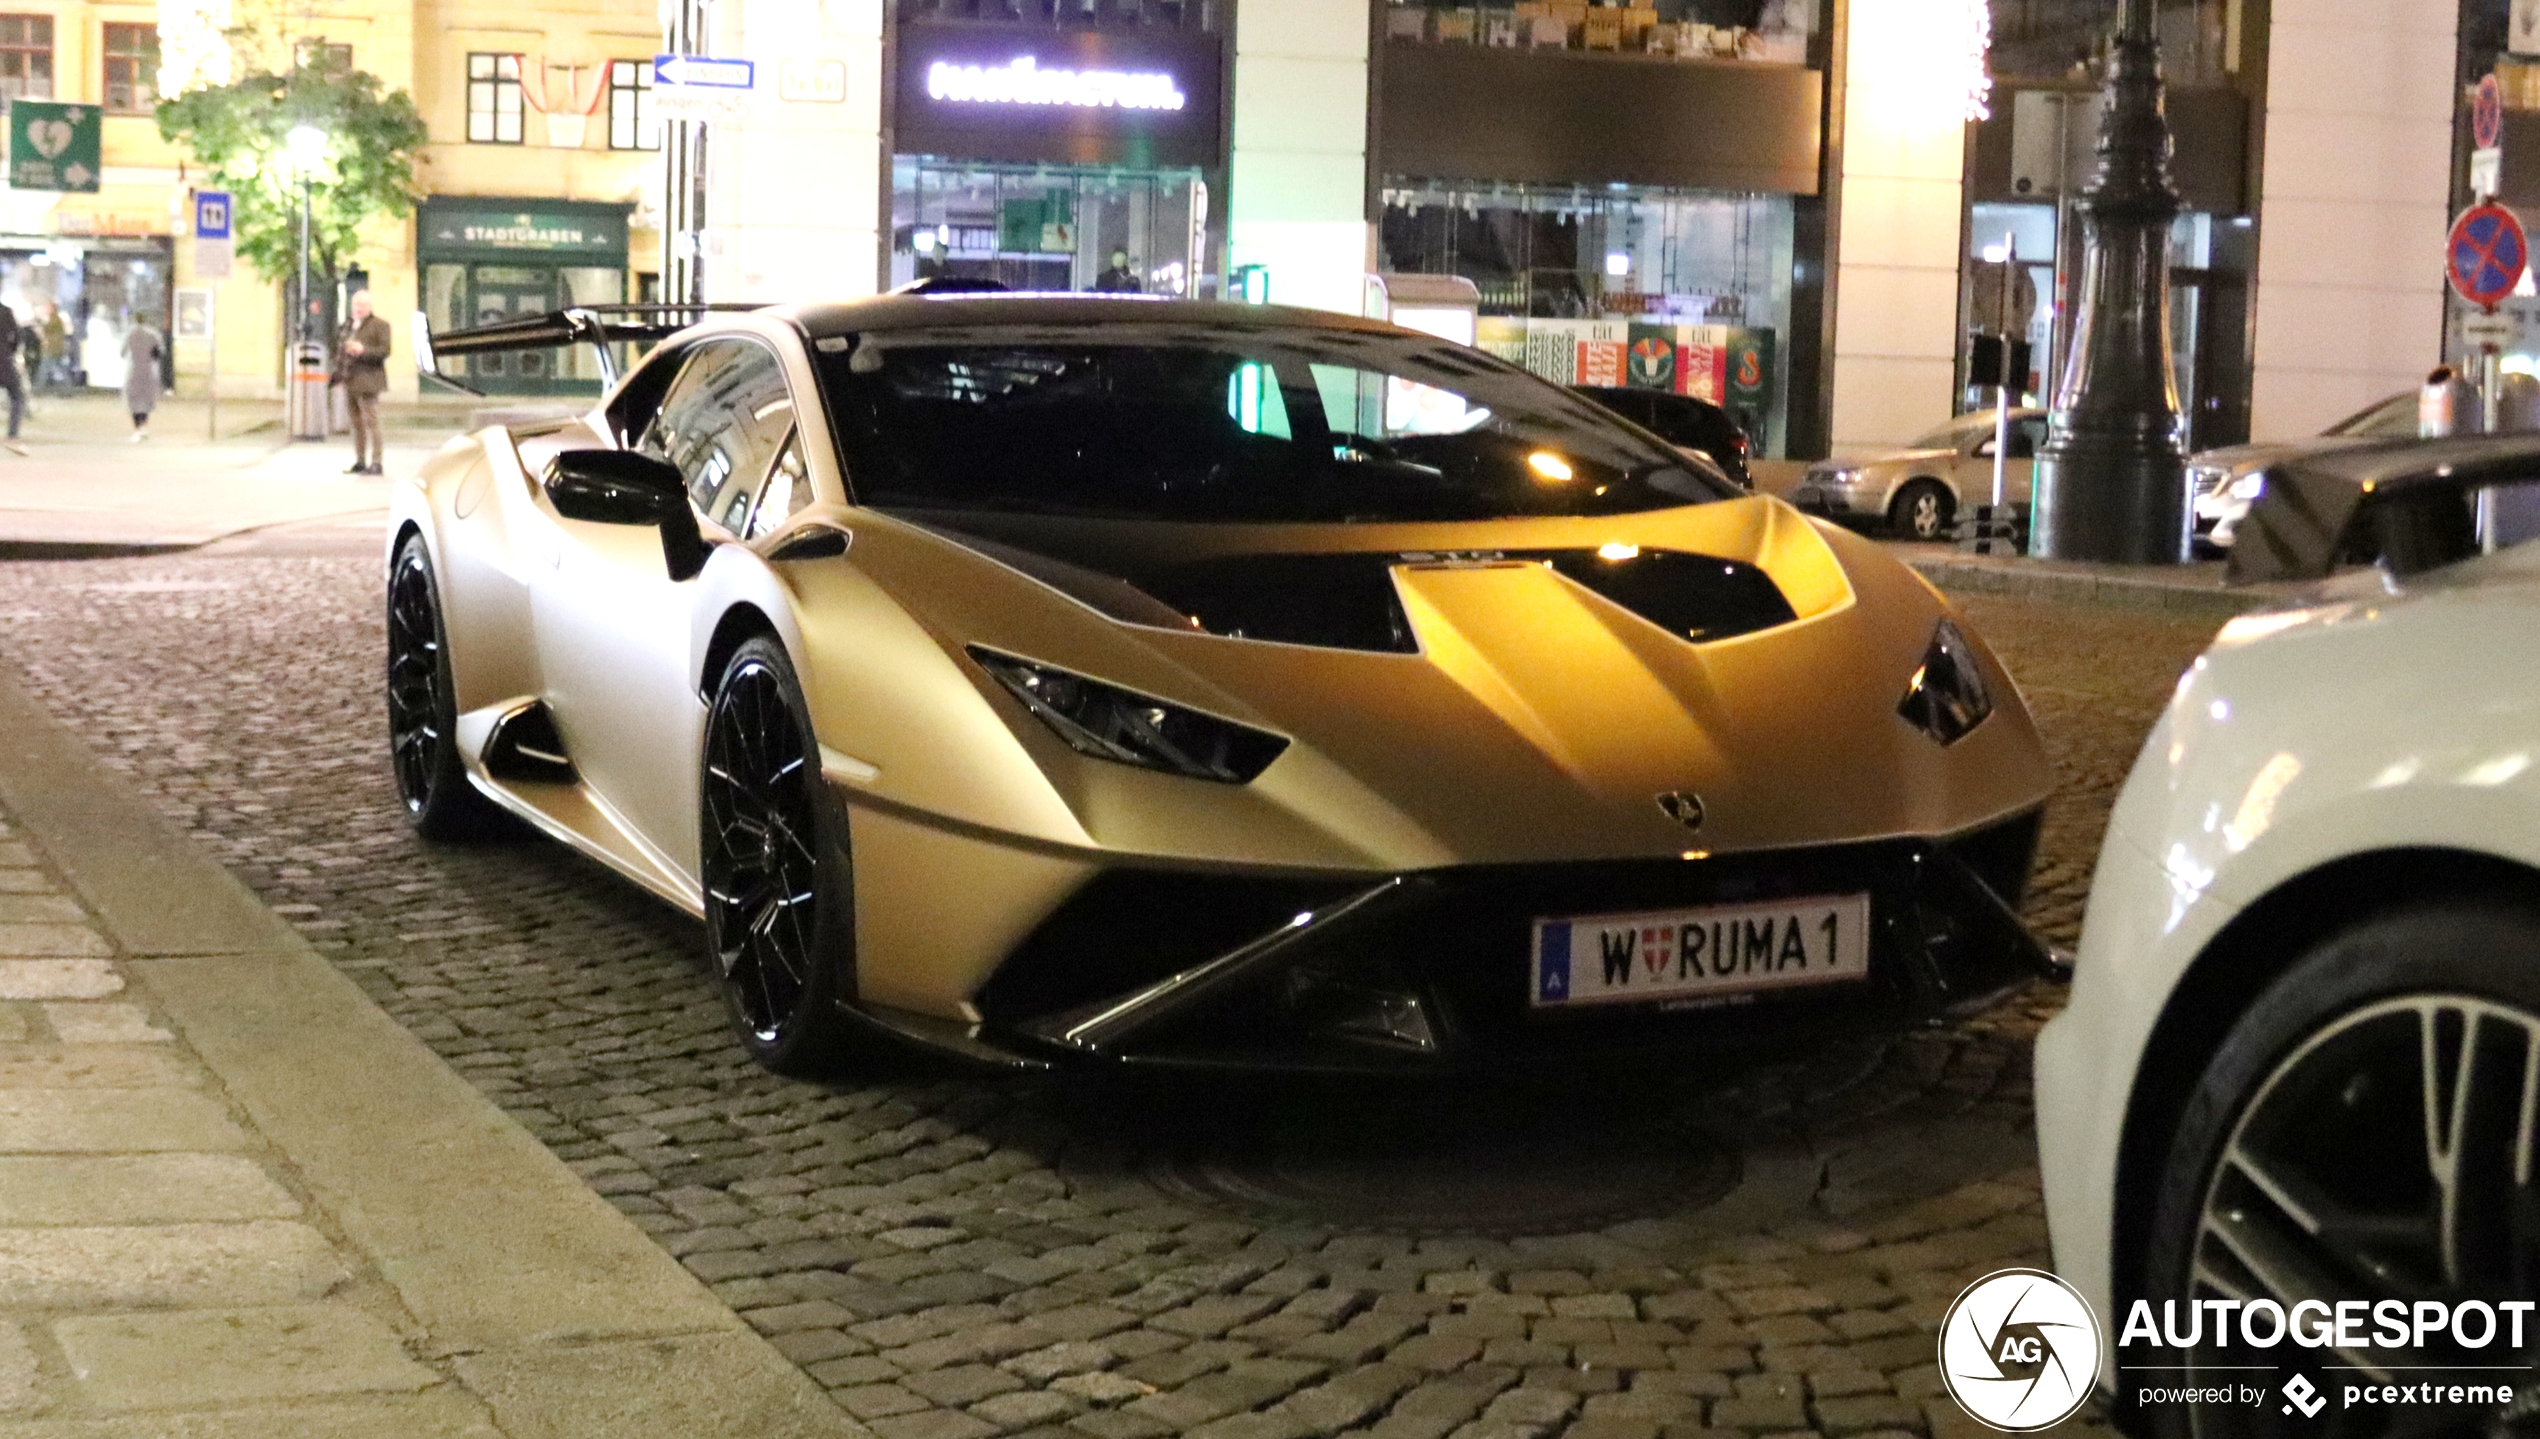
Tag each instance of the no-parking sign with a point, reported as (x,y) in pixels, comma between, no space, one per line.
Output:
(2486,255)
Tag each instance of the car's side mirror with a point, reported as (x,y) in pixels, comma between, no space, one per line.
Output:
(624,487)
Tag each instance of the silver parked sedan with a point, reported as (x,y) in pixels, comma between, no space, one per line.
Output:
(2223,482)
(1916,491)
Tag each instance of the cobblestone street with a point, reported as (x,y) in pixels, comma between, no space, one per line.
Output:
(955,1258)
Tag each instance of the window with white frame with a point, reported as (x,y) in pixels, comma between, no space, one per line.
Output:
(493,98)
(631,123)
(26,57)
(131,68)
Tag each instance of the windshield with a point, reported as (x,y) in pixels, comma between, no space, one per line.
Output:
(1951,435)
(2393,418)
(1224,425)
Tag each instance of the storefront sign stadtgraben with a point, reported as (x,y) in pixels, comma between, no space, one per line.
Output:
(470,225)
(54,146)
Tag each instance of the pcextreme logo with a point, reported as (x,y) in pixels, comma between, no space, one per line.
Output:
(2019,1350)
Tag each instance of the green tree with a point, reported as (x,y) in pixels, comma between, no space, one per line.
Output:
(238,133)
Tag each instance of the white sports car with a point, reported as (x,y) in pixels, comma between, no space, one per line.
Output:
(2303,1048)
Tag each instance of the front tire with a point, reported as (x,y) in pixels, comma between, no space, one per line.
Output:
(423,749)
(2305,1165)
(772,849)
(1921,510)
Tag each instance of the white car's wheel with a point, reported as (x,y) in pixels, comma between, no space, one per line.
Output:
(2365,1132)
(1921,510)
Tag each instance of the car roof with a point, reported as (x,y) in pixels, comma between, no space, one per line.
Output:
(885,313)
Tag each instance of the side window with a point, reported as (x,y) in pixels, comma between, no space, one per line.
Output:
(788,489)
(632,409)
(721,425)
(2026,436)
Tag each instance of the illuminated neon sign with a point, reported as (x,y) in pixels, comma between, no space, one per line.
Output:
(1021,81)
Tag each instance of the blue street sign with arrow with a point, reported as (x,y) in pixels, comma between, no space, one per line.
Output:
(705,72)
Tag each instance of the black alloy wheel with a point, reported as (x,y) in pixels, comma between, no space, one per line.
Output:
(773,851)
(2366,1133)
(423,747)
(1921,510)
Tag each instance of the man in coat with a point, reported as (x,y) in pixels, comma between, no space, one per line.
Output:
(10,379)
(362,363)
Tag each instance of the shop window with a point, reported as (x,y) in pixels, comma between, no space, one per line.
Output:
(2063,39)
(132,69)
(631,123)
(1197,15)
(1045,227)
(26,57)
(1771,30)
(493,98)
(1686,291)
(325,57)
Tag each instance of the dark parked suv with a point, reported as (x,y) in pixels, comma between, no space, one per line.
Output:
(1681,420)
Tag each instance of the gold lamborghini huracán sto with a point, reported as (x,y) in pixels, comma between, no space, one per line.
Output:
(1160,682)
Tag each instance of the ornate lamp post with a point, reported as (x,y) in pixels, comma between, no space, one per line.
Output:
(2111,481)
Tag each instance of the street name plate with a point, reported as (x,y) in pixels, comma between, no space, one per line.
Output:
(2491,330)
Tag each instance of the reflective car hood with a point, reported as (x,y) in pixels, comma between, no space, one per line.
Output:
(1529,717)
(2266,452)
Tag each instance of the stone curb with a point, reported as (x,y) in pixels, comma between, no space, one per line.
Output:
(2016,580)
(563,1316)
(88,549)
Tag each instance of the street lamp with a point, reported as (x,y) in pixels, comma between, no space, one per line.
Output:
(2110,477)
(306,144)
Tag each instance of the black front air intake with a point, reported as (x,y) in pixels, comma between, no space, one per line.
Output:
(1695,597)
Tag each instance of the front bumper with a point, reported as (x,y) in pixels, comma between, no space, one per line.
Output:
(1836,500)
(1431,970)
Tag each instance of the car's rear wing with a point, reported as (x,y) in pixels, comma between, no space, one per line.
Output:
(2407,505)
(602,327)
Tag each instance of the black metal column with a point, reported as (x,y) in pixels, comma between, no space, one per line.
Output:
(2110,479)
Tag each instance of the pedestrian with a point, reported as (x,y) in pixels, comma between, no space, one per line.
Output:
(57,347)
(142,350)
(10,379)
(361,366)
(1121,278)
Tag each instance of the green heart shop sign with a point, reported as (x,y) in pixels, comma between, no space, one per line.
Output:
(53,146)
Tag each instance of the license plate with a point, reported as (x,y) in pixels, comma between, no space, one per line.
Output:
(1700,954)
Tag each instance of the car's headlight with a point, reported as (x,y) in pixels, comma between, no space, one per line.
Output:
(2205,479)
(1111,723)
(1842,476)
(1947,697)
(2249,485)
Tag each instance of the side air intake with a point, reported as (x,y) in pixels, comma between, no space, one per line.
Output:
(525,748)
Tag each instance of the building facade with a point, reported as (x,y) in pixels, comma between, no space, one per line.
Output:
(1779,204)
(538,179)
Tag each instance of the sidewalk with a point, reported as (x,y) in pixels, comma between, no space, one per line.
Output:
(238,1201)
(2188,590)
(86,489)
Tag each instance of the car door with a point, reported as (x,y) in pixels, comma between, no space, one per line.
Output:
(614,629)
(1974,470)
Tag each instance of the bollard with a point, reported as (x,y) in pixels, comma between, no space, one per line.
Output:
(304,391)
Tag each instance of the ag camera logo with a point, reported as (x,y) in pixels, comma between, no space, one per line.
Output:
(2019,1350)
